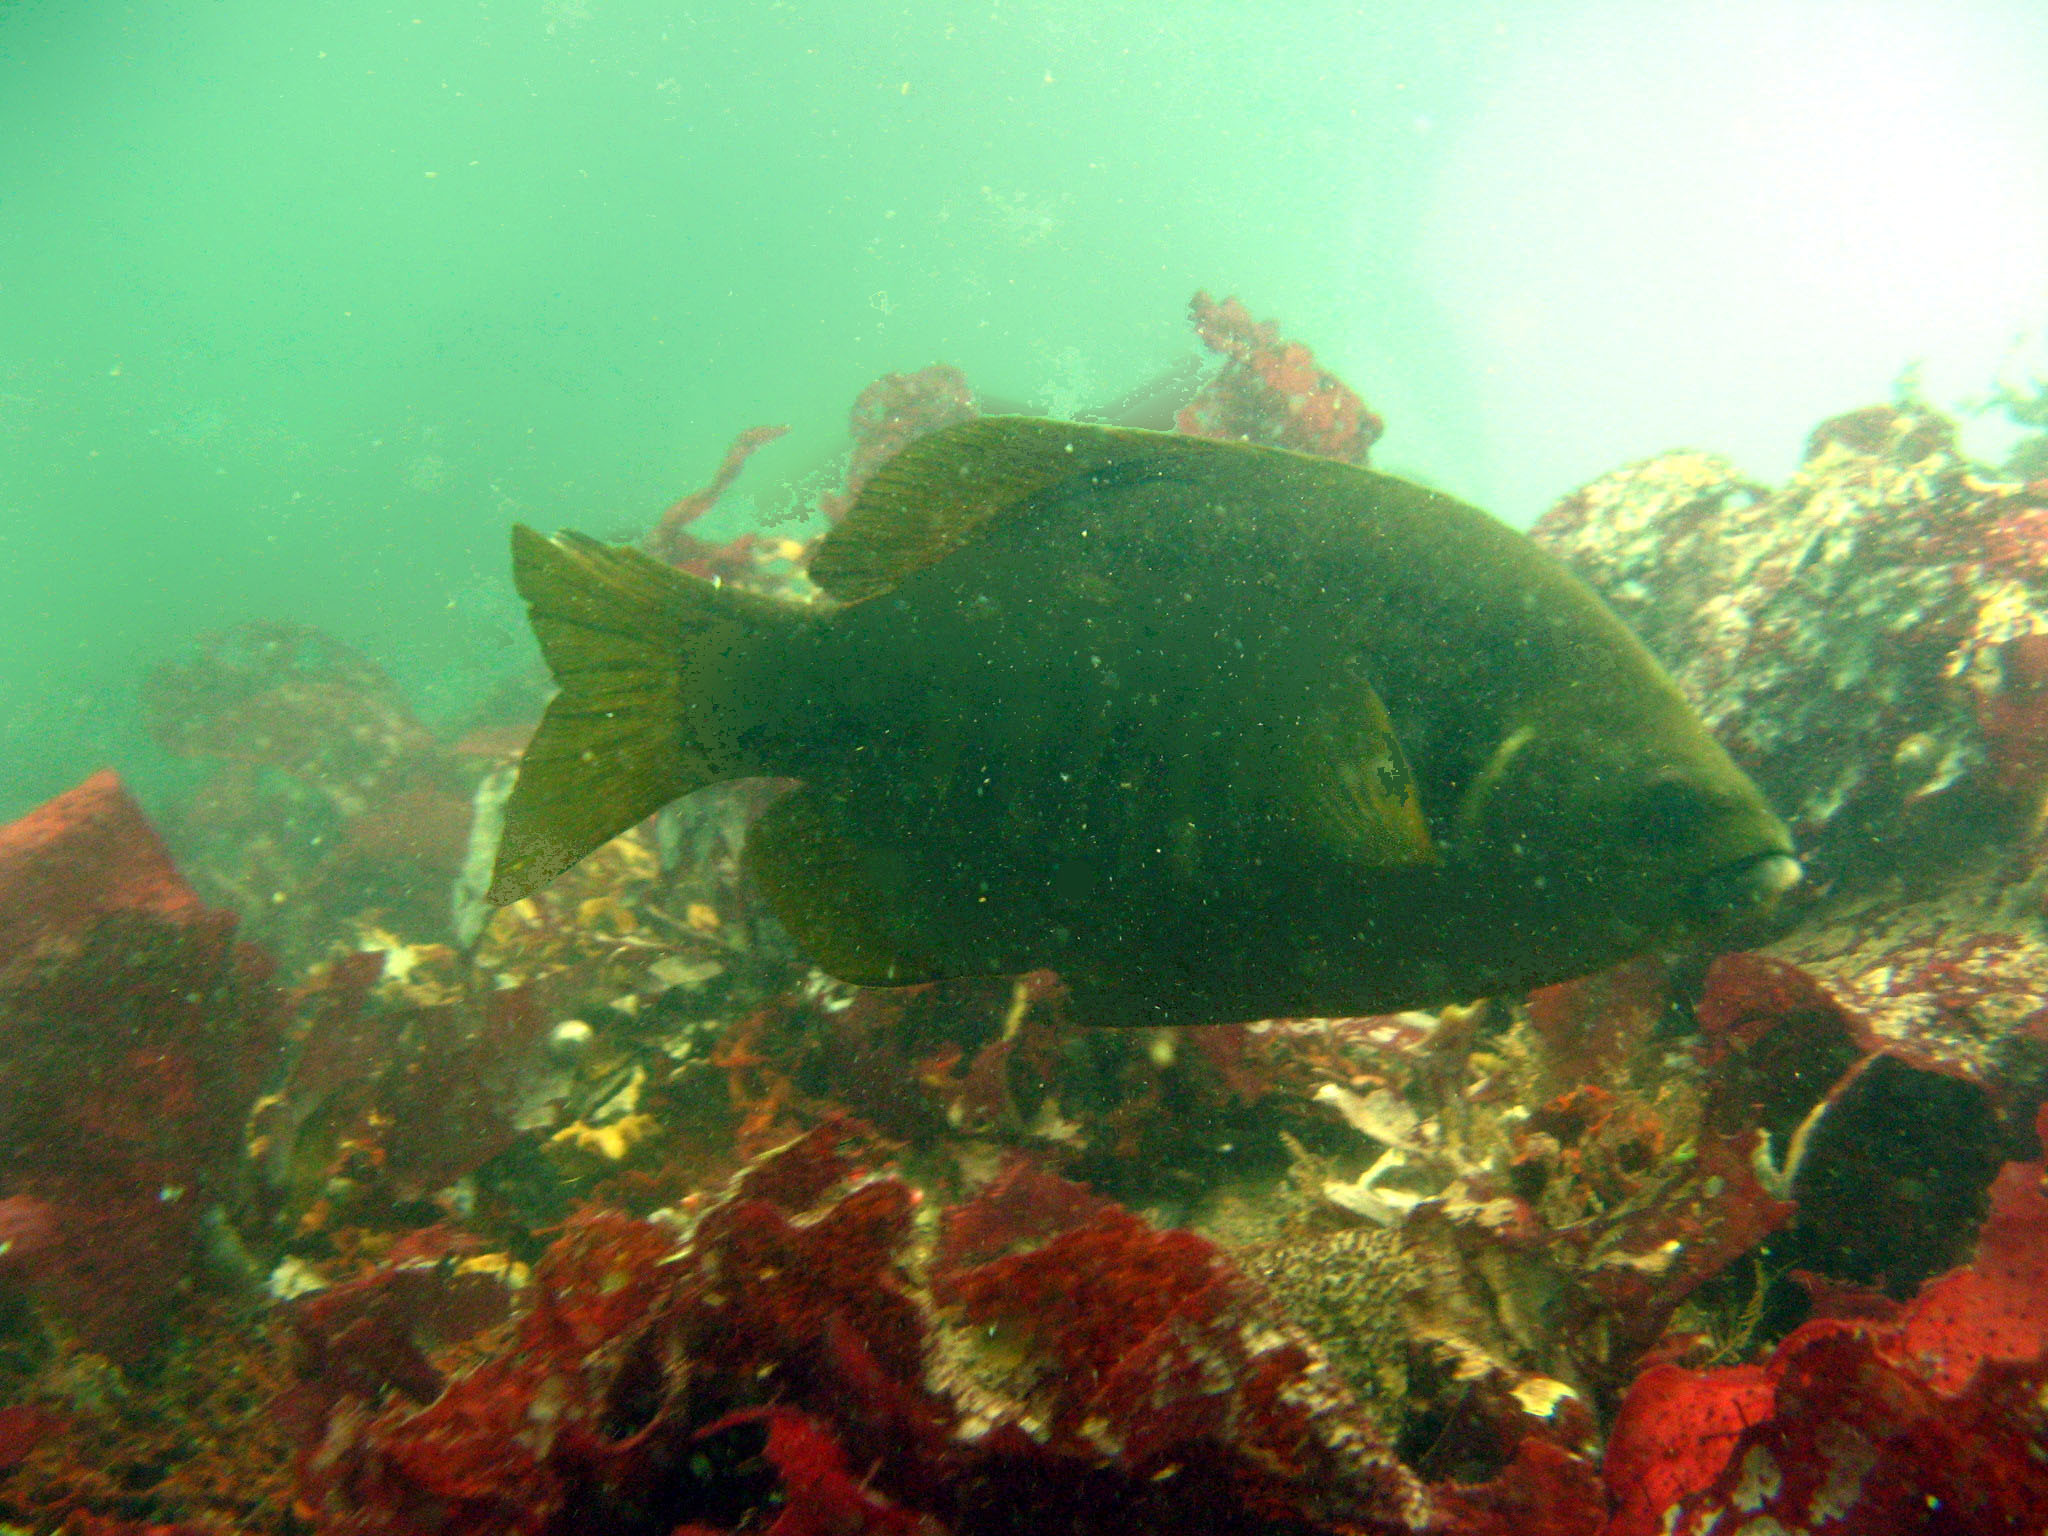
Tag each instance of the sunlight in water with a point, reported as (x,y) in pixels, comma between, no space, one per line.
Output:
(1679,220)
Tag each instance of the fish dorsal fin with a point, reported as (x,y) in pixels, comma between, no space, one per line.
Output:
(1357,792)
(942,490)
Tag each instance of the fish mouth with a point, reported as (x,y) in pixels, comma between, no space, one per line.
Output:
(1748,887)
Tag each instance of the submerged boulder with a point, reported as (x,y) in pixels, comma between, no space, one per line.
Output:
(134,1033)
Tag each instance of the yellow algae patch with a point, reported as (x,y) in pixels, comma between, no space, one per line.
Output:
(611,1141)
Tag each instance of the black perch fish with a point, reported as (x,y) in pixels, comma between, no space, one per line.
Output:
(1216,732)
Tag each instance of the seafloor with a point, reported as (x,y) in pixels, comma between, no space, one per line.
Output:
(331,1202)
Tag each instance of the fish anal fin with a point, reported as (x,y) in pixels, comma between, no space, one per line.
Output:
(842,903)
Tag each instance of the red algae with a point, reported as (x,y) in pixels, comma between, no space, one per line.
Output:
(891,414)
(671,539)
(1930,1420)
(653,1375)
(1272,391)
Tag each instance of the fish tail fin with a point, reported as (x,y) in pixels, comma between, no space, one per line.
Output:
(663,690)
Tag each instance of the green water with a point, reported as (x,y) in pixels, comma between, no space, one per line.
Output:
(301,304)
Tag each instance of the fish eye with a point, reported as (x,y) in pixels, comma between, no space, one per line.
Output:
(1668,812)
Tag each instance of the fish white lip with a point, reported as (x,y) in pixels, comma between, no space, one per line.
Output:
(1774,875)
(1753,883)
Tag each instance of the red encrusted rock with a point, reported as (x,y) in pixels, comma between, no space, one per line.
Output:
(1674,1434)
(1886,1135)
(1997,1309)
(1778,1045)
(1933,1420)
(76,858)
(134,1033)
(1956,984)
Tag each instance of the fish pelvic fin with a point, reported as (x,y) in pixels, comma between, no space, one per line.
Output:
(662,678)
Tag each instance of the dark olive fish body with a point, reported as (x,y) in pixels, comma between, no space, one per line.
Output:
(1216,732)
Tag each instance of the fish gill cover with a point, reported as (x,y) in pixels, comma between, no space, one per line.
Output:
(607,1212)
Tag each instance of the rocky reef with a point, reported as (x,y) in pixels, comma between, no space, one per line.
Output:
(331,1201)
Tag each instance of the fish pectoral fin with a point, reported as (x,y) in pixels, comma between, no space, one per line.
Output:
(1356,790)
(845,906)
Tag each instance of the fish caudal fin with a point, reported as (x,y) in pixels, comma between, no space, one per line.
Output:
(659,696)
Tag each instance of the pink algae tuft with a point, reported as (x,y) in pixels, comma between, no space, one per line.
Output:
(671,539)
(1272,391)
